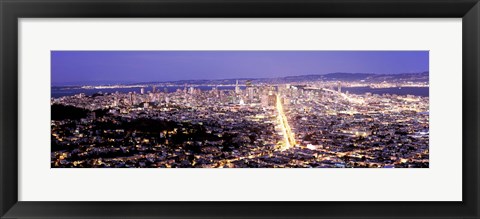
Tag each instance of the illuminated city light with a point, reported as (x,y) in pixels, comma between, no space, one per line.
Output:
(308,121)
(289,137)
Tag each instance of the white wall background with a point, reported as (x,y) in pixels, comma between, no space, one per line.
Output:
(441,182)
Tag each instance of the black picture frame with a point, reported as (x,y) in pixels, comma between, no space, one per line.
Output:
(12,10)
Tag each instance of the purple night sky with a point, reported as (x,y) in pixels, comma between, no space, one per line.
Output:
(70,67)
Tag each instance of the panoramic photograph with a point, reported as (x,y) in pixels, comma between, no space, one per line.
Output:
(239,109)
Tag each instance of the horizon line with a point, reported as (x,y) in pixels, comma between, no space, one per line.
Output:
(170,81)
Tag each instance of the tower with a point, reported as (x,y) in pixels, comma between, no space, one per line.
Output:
(272,100)
(251,93)
(237,89)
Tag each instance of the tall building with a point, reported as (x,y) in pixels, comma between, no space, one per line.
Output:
(272,100)
(264,100)
(237,88)
(131,99)
(142,90)
(250,94)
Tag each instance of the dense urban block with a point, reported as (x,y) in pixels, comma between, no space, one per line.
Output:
(304,122)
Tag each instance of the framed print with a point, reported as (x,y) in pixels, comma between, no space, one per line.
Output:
(169,109)
(263,121)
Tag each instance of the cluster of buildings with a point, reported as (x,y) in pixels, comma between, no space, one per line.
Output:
(361,130)
(281,125)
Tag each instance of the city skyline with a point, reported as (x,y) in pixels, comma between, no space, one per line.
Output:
(76,67)
(311,120)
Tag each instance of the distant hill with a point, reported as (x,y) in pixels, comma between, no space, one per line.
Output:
(366,77)
(338,76)
(91,83)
